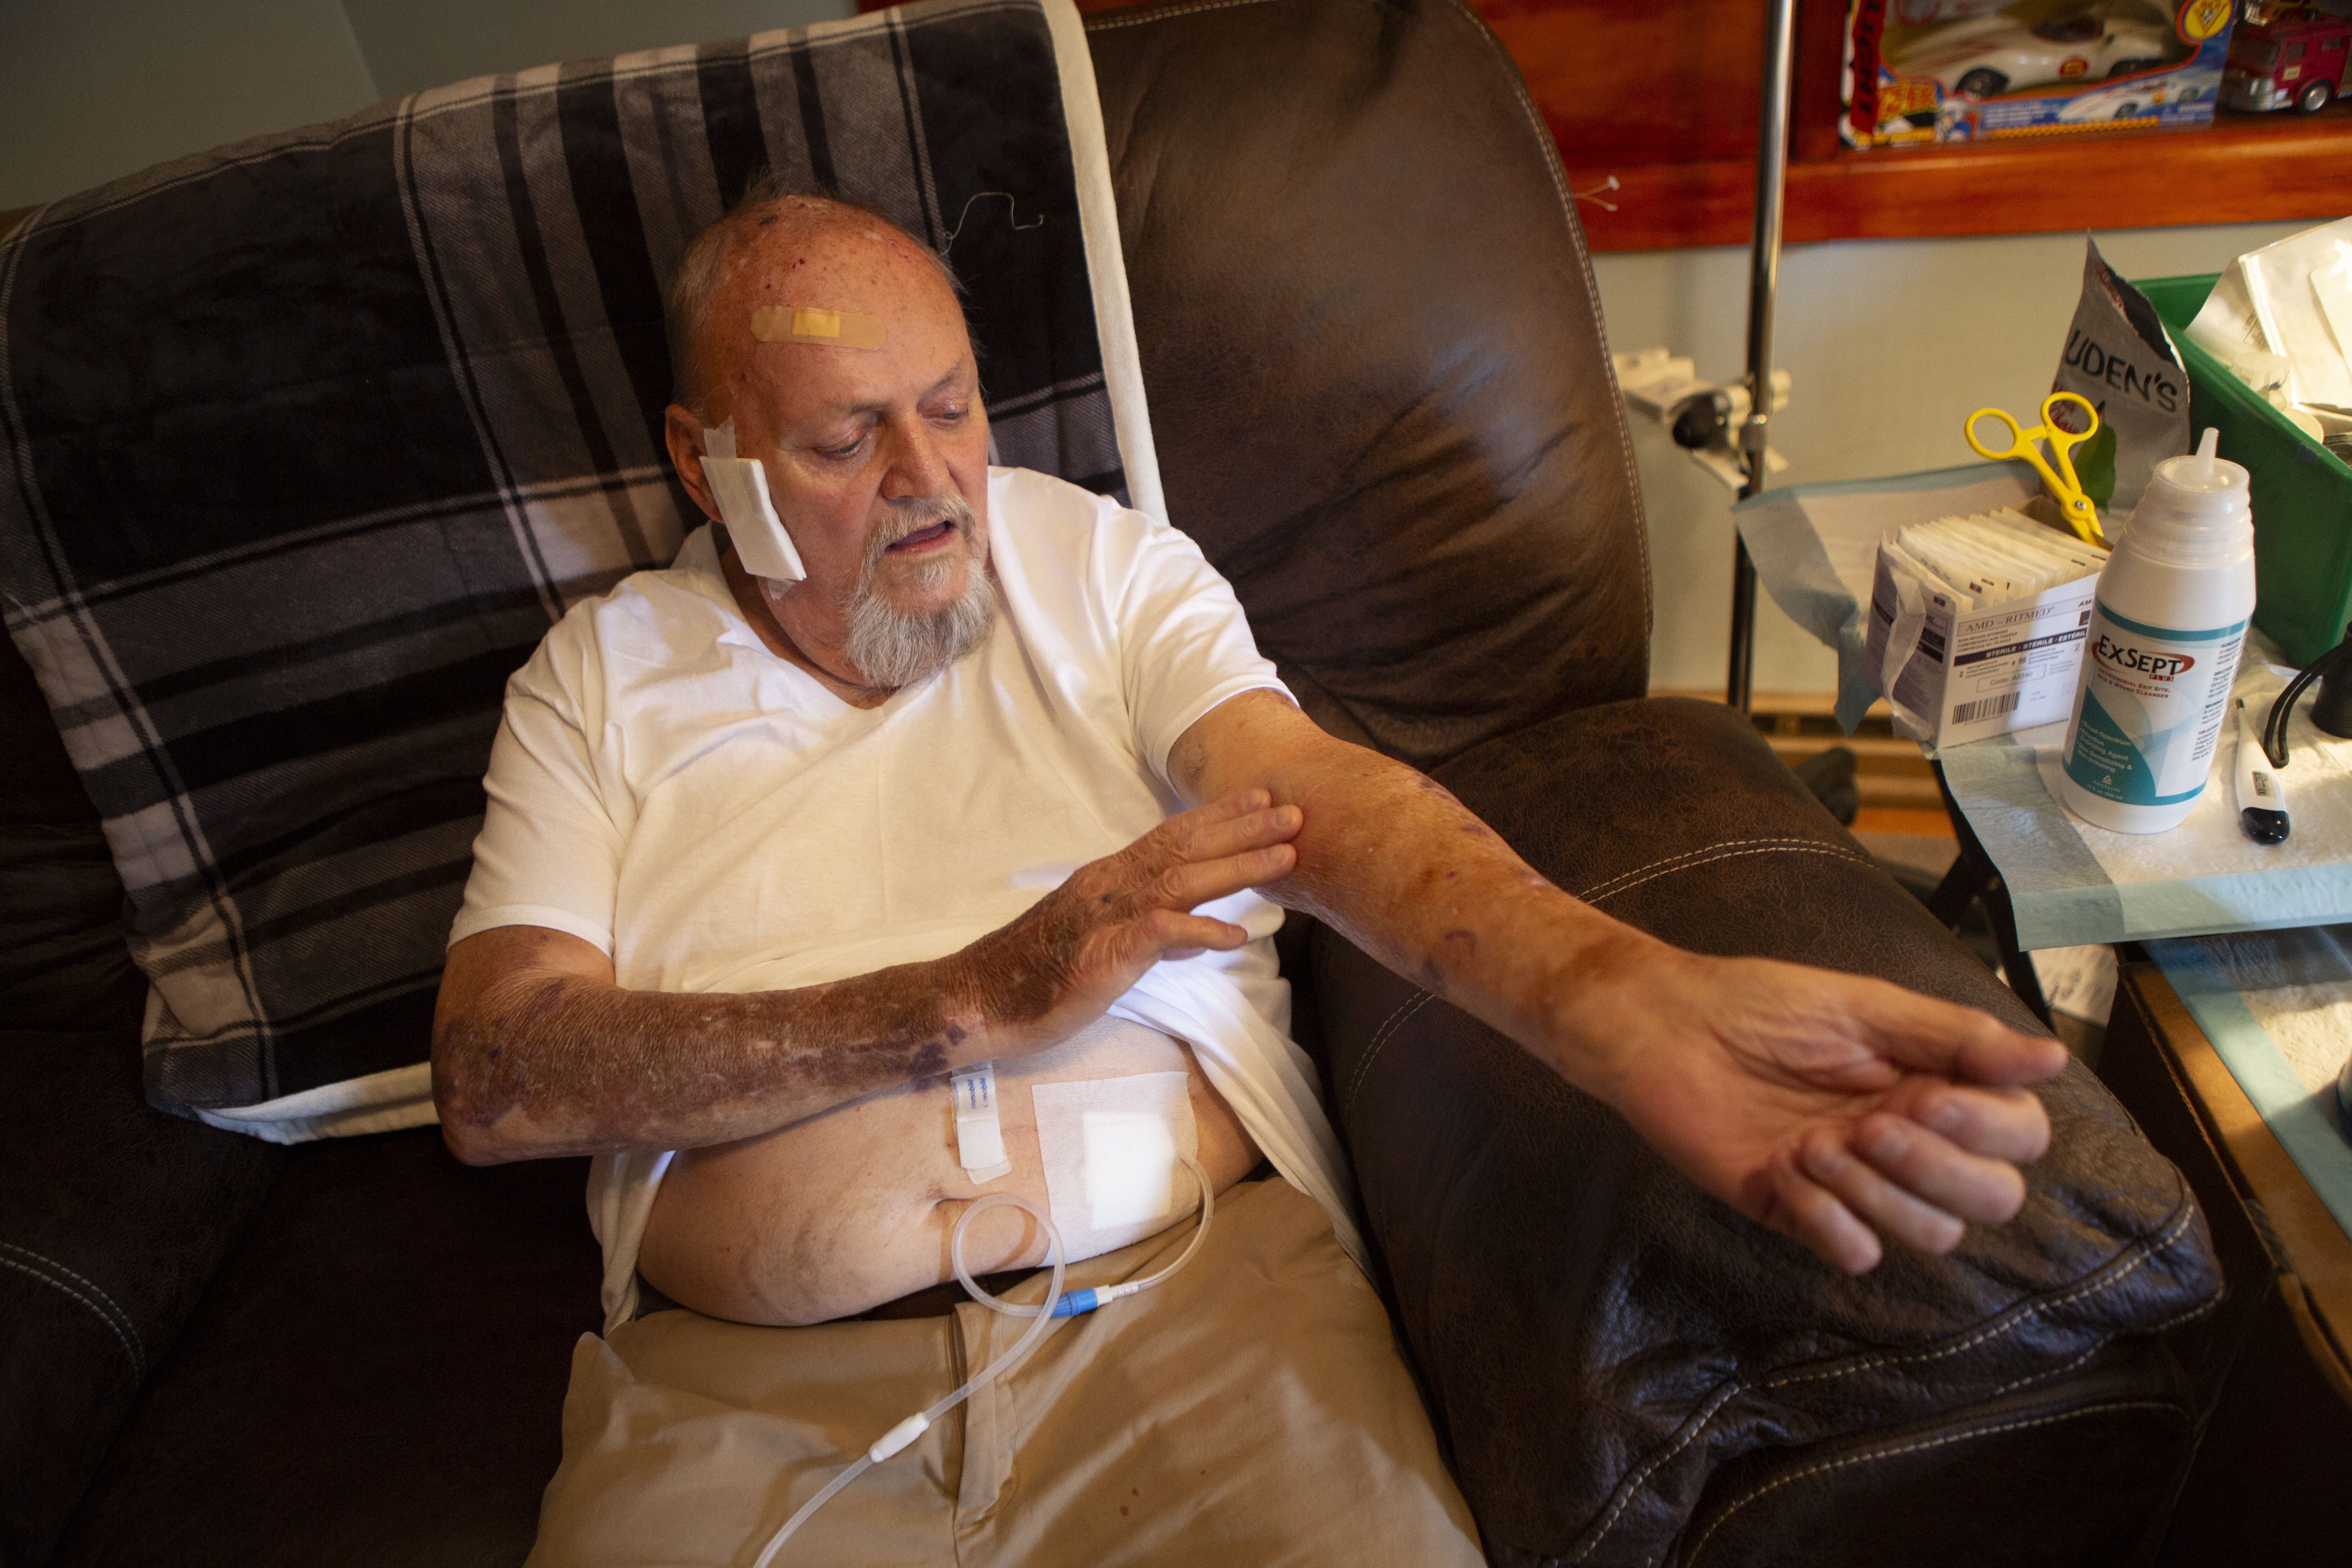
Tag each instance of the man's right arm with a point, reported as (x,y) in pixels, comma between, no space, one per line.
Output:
(537,1051)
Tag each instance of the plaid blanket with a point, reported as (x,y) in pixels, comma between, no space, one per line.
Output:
(308,440)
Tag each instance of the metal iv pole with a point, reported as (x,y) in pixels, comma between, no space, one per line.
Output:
(1763,278)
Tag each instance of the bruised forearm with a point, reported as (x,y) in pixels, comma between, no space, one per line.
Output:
(1390,860)
(542,1063)
(1395,862)
(537,1052)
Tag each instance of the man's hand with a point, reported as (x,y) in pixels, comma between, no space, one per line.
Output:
(1832,1108)
(1060,966)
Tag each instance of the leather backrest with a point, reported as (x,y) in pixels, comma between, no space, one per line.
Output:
(1378,384)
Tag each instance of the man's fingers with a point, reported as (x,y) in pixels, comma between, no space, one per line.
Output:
(1192,883)
(1238,804)
(1238,822)
(1206,853)
(1177,936)
(1944,1038)
(2001,1123)
(1809,1213)
(2006,1058)
(1887,1205)
(1939,1173)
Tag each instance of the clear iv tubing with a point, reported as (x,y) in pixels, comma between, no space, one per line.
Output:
(1056,1306)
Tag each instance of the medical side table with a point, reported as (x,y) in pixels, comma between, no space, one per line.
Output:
(2048,881)
(2272,1477)
(2051,880)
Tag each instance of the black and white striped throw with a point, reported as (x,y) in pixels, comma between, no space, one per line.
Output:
(305,442)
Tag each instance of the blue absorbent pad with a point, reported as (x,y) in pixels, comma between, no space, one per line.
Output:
(2070,883)
(2278,1007)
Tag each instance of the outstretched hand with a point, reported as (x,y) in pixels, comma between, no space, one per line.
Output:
(1061,964)
(1834,1109)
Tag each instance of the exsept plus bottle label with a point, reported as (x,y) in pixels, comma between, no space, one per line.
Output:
(2153,702)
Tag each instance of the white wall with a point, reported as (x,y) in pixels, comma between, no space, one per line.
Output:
(99,89)
(1890,344)
(415,44)
(90,89)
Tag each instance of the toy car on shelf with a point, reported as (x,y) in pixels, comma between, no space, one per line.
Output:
(1925,72)
(2134,100)
(2293,56)
(1986,55)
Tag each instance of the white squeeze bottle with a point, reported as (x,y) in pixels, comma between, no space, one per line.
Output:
(2174,601)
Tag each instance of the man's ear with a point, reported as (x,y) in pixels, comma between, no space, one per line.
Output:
(682,434)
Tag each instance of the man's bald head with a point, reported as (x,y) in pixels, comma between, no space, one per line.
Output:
(771,213)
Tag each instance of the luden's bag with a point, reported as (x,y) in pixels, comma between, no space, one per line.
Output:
(2118,357)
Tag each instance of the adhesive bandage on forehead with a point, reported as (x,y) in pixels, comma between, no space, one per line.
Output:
(1110,1147)
(740,485)
(804,324)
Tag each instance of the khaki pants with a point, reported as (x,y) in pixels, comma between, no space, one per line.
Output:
(1252,1410)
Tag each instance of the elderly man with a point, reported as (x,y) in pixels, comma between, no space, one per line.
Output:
(767,861)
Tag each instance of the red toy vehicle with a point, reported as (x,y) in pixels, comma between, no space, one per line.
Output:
(2296,56)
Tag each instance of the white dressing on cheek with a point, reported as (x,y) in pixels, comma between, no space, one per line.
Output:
(740,487)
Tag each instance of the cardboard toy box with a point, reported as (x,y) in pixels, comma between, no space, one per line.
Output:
(1920,71)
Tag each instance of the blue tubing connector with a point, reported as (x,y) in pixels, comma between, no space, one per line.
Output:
(1072,1302)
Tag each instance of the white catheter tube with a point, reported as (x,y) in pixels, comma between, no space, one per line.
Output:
(907,1431)
(913,1426)
(1103,1293)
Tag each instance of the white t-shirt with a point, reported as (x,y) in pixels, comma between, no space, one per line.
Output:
(714,819)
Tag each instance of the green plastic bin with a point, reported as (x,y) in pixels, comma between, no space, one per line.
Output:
(2301,492)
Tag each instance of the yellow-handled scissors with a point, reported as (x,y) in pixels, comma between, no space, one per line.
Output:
(2057,470)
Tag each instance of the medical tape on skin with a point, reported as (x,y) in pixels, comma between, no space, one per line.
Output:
(803,324)
(741,487)
(980,1131)
(1109,1146)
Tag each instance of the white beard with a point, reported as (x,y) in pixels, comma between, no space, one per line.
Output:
(891,648)
(894,648)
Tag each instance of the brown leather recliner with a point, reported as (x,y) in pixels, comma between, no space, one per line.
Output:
(1383,404)
(1421,485)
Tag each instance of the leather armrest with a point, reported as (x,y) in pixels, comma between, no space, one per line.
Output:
(114,1219)
(1599,1337)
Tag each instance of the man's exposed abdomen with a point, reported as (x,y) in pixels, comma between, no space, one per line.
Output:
(852,1208)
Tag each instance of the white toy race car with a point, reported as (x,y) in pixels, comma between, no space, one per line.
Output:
(2129,100)
(1989,55)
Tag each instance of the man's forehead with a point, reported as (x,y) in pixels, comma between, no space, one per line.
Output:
(832,284)
(812,240)
(821,360)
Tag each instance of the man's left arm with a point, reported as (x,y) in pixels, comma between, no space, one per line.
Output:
(1831,1107)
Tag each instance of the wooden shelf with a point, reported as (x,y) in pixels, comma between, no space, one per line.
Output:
(1664,98)
(2235,173)
(2245,169)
